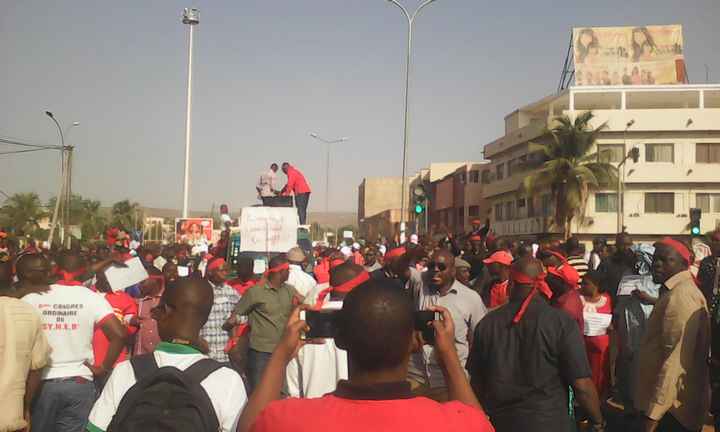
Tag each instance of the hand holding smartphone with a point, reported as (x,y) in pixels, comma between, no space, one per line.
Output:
(423,324)
(322,323)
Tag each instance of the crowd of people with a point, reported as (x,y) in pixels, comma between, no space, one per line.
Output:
(521,336)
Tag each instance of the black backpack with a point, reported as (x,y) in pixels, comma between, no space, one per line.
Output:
(166,399)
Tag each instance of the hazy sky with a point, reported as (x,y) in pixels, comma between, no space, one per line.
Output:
(269,72)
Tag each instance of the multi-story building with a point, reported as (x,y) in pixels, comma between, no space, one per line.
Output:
(677,131)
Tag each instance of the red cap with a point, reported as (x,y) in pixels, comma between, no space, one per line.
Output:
(475,238)
(500,257)
(567,273)
(215,264)
(679,247)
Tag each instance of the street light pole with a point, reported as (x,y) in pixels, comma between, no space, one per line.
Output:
(411,21)
(327,163)
(191,17)
(53,222)
(620,192)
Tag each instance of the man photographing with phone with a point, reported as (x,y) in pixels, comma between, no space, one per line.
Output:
(376,330)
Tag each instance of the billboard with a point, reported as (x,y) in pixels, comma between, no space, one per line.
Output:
(629,55)
(194,231)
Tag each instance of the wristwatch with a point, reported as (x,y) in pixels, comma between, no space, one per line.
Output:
(599,427)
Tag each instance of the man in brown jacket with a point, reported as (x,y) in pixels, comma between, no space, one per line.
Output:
(672,388)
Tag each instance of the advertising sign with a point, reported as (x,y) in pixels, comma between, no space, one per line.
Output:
(194,231)
(629,55)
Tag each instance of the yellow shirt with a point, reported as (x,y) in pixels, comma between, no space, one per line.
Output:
(673,376)
(23,347)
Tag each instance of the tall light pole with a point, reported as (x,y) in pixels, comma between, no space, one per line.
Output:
(620,193)
(411,21)
(327,163)
(191,17)
(65,179)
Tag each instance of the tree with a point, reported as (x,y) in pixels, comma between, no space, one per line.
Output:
(126,214)
(21,213)
(85,213)
(570,170)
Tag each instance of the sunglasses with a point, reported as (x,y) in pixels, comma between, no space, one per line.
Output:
(432,265)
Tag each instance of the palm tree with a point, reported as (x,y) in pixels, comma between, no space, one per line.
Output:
(570,170)
(91,220)
(21,213)
(126,214)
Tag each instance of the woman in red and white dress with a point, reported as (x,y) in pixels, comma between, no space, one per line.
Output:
(597,317)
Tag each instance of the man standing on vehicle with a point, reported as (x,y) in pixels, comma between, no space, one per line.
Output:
(266,184)
(297,185)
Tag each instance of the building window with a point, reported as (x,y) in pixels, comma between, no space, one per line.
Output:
(606,203)
(486,177)
(546,205)
(707,153)
(510,167)
(500,171)
(498,212)
(509,210)
(463,177)
(708,203)
(531,207)
(611,153)
(475,176)
(659,202)
(474,211)
(659,153)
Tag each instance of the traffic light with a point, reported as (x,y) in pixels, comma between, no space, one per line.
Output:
(695,215)
(420,198)
(635,154)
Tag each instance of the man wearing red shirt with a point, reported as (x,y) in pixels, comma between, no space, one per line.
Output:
(377,396)
(298,186)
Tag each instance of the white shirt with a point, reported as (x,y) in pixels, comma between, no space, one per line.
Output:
(466,308)
(224,387)
(69,315)
(266,183)
(302,281)
(317,369)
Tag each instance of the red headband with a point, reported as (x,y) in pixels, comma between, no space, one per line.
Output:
(344,288)
(567,273)
(278,268)
(538,283)
(397,252)
(679,247)
(217,263)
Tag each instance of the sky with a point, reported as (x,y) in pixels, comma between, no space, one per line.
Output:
(267,73)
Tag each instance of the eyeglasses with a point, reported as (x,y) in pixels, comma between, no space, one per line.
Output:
(432,265)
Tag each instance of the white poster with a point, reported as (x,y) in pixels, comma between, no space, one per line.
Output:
(268,229)
(120,278)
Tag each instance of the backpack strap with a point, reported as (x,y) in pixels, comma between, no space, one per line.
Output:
(202,369)
(143,366)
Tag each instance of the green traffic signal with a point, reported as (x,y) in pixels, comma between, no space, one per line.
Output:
(419,208)
(695,231)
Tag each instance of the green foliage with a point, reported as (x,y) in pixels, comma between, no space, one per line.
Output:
(570,170)
(21,213)
(126,214)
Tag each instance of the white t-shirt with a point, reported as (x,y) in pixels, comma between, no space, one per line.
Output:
(317,369)
(69,315)
(302,281)
(224,387)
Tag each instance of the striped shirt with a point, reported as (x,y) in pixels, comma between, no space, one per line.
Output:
(579,263)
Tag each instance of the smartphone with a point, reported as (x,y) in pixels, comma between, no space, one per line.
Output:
(422,318)
(322,323)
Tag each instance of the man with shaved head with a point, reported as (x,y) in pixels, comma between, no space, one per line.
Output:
(376,328)
(317,369)
(524,356)
(439,287)
(672,390)
(182,312)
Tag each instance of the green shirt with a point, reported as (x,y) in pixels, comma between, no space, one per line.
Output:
(268,310)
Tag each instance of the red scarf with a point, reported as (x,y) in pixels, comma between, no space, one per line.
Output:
(69,278)
(345,288)
(538,284)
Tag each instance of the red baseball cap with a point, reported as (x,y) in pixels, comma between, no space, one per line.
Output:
(500,257)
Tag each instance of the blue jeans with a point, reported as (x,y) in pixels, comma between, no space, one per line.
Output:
(256,363)
(63,405)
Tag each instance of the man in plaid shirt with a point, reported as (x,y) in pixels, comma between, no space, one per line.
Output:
(225,299)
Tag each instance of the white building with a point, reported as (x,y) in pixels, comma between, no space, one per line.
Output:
(677,131)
